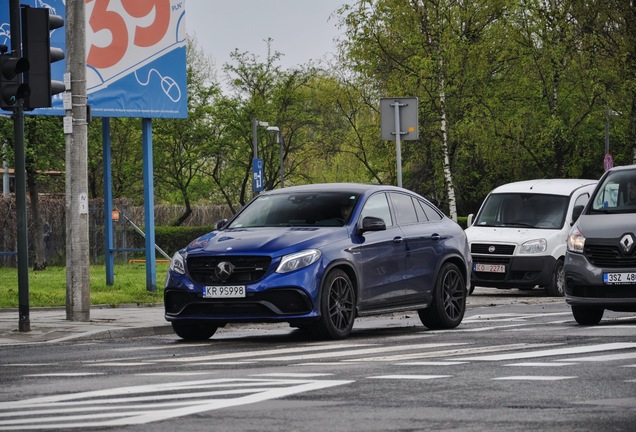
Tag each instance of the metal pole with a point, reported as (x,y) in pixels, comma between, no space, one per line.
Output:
(108,203)
(149,206)
(24,321)
(607,131)
(279,138)
(6,191)
(254,138)
(398,145)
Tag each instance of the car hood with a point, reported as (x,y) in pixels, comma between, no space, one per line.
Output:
(267,241)
(506,234)
(607,225)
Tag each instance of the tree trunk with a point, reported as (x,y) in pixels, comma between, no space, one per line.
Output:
(452,205)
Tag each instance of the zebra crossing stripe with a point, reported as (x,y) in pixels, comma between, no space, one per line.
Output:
(533,378)
(552,352)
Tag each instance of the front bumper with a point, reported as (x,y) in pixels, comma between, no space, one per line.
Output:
(521,272)
(584,286)
(275,298)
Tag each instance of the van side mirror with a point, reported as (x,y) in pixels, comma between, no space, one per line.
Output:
(576,213)
(371,223)
(469,220)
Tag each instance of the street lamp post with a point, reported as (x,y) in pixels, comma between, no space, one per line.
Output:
(255,124)
(279,141)
(608,113)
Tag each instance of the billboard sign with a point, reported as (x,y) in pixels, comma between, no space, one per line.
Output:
(135,56)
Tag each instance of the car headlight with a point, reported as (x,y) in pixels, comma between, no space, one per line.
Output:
(534,246)
(576,241)
(177,264)
(298,260)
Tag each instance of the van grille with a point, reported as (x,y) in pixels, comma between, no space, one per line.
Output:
(499,249)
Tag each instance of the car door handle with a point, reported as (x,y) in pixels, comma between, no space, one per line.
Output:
(397,239)
(436,237)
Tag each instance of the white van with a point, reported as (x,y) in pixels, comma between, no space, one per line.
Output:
(518,238)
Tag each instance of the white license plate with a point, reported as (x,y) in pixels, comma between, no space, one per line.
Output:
(237,291)
(489,268)
(619,278)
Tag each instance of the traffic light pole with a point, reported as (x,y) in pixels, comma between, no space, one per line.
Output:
(24,322)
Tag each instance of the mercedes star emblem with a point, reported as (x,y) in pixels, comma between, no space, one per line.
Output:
(223,270)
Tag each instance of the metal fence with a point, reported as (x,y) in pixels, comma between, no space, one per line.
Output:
(52,212)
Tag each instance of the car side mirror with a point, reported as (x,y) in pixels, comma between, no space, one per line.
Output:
(371,223)
(221,224)
(469,220)
(576,213)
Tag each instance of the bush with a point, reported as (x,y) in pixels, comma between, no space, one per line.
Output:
(171,239)
(462,221)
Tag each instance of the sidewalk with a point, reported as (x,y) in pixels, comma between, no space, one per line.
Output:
(51,325)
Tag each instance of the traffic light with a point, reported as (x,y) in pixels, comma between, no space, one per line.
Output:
(37,24)
(11,88)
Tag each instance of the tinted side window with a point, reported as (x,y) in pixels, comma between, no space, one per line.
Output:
(378,206)
(404,210)
(431,213)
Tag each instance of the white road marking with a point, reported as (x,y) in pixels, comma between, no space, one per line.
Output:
(280,351)
(604,358)
(431,363)
(64,374)
(552,352)
(364,351)
(537,364)
(63,411)
(451,352)
(534,378)
(119,364)
(410,377)
(293,375)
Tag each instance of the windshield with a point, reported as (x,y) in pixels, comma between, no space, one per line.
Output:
(523,210)
(617,193)
(315,209)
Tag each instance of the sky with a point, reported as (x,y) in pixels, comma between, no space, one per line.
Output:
(302,30)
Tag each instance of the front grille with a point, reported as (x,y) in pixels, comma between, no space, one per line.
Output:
(245,269)
(608,255)
(499,249)
(272,303)
(491,260)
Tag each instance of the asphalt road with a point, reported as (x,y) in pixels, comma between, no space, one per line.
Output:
(517,362)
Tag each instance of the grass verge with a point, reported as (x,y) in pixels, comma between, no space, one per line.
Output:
(47,288)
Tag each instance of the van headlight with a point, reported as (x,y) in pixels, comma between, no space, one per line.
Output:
(177,264)
(576,241)
(298,260)
(534,246)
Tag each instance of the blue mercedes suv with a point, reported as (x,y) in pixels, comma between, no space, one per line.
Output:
(317,257)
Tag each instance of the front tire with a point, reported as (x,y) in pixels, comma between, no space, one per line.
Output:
(556,287)
(587,315)
(193,330)
(337,306)
(448,305)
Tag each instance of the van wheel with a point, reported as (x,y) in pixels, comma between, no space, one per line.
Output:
(587,315)
(556,287)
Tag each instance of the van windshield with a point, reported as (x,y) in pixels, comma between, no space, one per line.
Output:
(617,194)
(525,210)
